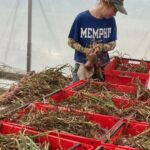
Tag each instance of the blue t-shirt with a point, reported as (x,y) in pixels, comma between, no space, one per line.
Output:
(86,29)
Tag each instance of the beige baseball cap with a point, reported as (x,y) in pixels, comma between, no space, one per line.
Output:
(119,5)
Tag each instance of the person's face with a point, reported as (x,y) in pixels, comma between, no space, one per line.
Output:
(109,11)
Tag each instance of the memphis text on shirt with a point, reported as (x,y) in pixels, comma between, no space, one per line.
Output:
(95,33)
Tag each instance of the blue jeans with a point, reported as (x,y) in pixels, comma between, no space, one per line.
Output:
(104,57)
(75,77)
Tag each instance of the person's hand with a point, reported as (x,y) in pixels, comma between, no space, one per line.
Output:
(89,51)
(91,58)
(98,48)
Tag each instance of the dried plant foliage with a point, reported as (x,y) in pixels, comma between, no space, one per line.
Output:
(21,141)
(33,86)
(98,98)
(66,121)
(140,141)
(129,67)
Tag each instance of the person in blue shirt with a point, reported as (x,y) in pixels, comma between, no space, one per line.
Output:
(94,32)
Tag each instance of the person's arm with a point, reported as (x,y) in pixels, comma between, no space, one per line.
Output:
(105,47)
(101,47)
(109,46)
(77,46)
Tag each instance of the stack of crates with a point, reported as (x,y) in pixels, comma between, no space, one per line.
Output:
(125,76)
(124,81)
(117,128)
(131,128)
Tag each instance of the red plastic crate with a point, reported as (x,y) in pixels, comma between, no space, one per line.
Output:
(56,142)
(100,119)
(115,147)
(135,127)
(124,77)
(64,139)
(132,129)
(95,118)
(121,103)
(69,91)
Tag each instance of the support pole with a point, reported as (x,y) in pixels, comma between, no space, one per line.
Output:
(29,44)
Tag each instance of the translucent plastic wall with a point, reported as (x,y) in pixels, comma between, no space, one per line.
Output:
(52,20)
